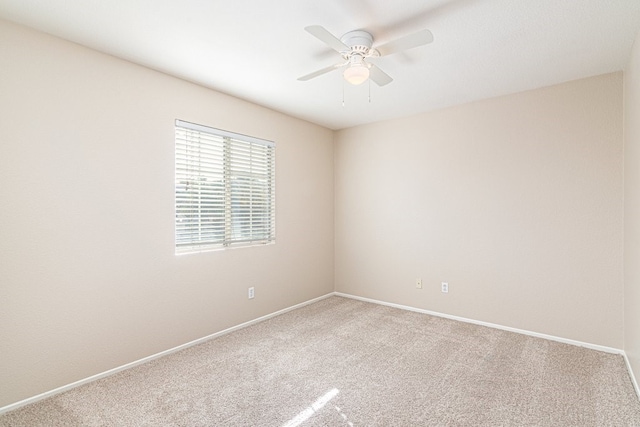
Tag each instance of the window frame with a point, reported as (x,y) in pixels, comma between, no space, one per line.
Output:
(224,189)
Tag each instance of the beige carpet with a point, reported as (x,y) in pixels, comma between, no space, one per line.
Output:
(341,362)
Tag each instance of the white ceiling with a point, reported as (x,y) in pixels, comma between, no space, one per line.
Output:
(256,49)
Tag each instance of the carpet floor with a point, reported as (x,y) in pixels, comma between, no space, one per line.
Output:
(343,362)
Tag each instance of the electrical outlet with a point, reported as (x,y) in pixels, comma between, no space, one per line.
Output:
(445,287)
(251,292)
(418,283)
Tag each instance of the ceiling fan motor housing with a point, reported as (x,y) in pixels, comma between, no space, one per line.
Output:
(358,41)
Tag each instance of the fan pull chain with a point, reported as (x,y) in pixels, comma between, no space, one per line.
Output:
(342,93)
(369,91)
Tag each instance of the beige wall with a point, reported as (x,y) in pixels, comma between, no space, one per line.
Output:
(632,209)
(88,276)
(516,202)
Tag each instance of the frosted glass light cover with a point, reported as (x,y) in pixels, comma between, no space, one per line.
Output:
(356,74)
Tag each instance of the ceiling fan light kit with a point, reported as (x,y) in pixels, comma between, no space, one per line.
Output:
(356,46)
(357,72)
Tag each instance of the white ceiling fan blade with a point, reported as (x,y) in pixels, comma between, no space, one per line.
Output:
(325,36)
(321,72)
(404,43)
(378,76)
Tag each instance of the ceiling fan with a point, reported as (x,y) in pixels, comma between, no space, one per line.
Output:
(356,47)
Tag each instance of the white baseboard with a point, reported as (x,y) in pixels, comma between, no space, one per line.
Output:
(96,377)
(633,377)
(490,325)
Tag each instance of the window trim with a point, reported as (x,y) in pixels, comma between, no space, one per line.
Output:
(220,132)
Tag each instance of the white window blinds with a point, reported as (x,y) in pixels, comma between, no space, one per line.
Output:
(225,189)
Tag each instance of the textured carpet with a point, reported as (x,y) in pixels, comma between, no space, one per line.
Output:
(342,362)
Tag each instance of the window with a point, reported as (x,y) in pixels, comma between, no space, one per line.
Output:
(225,189)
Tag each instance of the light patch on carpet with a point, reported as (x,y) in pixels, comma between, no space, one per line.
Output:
(315,407)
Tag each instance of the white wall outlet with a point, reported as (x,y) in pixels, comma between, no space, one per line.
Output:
(251,292)
(418,283)
(445,287)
